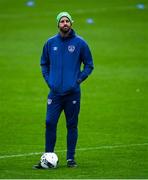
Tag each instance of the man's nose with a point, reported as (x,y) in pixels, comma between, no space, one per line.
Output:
(65,22)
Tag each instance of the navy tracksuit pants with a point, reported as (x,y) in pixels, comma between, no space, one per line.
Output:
(70,104)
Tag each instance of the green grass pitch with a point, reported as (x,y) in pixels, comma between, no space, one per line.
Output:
(113,122)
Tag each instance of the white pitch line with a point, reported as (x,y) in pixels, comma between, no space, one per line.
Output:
(79,149)
(19,155)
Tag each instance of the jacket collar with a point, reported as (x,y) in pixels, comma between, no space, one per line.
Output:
(71,34)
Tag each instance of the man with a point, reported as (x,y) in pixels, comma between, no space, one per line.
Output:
(61,61)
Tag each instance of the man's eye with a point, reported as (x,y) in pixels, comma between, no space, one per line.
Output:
(67,21)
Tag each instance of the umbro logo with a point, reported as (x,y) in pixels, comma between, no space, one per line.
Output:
(55,48)
(74,102)
(49,101)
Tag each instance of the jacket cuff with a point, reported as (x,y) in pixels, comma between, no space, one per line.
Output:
(79,81)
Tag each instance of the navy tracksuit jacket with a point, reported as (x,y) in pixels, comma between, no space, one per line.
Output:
(61,68)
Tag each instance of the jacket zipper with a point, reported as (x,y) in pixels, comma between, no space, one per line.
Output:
(62,76)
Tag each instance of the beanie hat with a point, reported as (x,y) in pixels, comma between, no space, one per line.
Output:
(64,14)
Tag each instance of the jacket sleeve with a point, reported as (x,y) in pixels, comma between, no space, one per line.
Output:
(45,63)
(87,60)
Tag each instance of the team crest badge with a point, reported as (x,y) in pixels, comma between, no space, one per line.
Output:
(71,48)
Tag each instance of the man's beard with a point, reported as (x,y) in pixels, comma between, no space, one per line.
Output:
(65,29)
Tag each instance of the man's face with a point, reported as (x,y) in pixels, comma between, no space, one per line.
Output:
(64,24)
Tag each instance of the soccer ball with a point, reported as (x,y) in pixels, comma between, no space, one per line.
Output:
(49,160)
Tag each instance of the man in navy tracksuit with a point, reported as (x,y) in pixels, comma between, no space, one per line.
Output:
(61,60)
